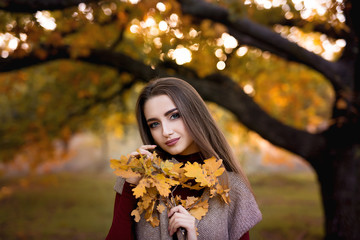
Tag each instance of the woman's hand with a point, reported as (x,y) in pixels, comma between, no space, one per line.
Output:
(179,217)
(144,151)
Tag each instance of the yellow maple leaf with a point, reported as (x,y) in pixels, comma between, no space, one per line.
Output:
(140,207)
(161,208)
(190,201)
(225,196)
(126,173)
(213,191)
(156,159)
(172,182)
(167,166)
(158,178)
(192,186)
(179,200)
(200,210)
(135,163)
(154,221)
(152,192)
(177,169)
(195,171)
(161,185)
(136,214)
(213,166)
(115,164)
(140,189)
(146,200)
(150,210)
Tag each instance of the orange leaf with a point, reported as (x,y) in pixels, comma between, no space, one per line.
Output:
(190,201)
(154,221)
(161,185)
(160,208)
(200,210)
(136,214)
(195,171)
(212,166)
(146,201)
(140,189)
(126,174)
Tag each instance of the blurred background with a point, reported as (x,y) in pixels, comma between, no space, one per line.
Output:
(70,73)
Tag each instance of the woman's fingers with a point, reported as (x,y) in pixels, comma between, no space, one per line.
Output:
(143,150)
(133,180)
(179,217)
(148,146)
(179,220)
(178,208)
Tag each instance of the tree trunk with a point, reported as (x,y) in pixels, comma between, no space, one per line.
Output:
(339,178)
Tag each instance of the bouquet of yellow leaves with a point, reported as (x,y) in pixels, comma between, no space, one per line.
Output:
(159,178)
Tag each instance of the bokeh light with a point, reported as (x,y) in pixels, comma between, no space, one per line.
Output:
(45,19)
(181,55)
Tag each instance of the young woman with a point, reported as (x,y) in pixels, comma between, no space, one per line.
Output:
(174,121)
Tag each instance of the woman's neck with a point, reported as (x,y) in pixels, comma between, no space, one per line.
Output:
(194,157)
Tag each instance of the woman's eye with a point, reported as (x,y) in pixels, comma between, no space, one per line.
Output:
(153,125)
(175,116)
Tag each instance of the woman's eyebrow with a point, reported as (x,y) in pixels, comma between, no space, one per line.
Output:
(170,111)
(165,114)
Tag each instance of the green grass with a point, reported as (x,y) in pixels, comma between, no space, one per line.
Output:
(79,207)
(59,207)
(290,204)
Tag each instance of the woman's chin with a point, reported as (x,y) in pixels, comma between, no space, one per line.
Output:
(172,151)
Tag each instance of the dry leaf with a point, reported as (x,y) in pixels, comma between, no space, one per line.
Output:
(140,189)
(136,214)
(200,209)
(160,208)
(195,171)
(126,173)
(160,176)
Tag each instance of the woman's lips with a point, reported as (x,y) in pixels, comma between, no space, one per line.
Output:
(172,141)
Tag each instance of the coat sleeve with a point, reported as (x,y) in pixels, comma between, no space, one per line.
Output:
(243,209)
(122,226)
(245,236)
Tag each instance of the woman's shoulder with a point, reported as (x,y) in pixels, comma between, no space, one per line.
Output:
(241,193)
(240,189)
(243,208)
(234,176)
(237,182)
(119,185)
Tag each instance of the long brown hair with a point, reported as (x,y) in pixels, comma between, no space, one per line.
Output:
(196,116)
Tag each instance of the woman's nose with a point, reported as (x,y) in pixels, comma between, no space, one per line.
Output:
(167,130)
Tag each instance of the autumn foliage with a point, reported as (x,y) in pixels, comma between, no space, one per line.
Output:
(159,179)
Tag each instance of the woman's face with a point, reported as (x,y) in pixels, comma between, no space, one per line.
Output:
(167,126)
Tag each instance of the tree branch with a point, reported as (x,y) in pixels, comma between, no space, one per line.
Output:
(324,28)
(119,39)
(96,101)
(273,42)
(215,88)
(224,91)
(32,6)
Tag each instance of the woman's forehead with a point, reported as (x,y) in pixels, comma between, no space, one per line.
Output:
(158,105)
